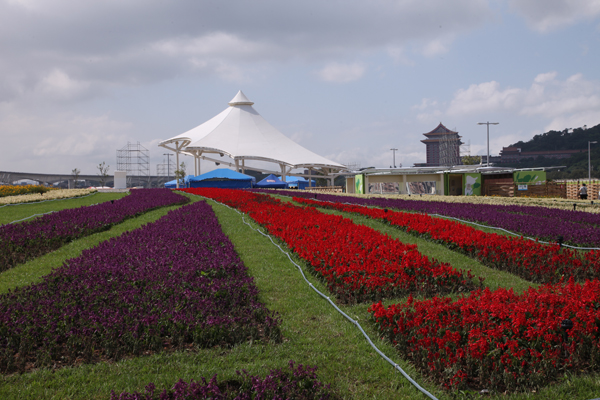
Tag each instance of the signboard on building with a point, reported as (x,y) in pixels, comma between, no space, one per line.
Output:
(421,187)
(472,184)
(359,184)
(522,187)
(384,187)
(529,177)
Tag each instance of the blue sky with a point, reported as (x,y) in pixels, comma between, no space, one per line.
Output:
(348,80)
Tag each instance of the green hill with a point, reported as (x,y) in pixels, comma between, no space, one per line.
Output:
(568,139)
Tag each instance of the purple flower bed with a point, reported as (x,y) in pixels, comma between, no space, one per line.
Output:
(171,284)
(27,240)
(576,227)
(297,383)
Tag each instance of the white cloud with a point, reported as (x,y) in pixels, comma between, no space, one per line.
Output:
(569,103)
(547,15)
(546,77)
(114,44)
(60,85)
(64,141)
(485,96)
(399,56)
(437,47)
(342,73)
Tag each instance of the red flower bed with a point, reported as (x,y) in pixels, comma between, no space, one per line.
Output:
(496,339)
(356,262)
(533,261)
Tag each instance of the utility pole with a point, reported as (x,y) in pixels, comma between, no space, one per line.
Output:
(590,165)
(488,138)
(394,155)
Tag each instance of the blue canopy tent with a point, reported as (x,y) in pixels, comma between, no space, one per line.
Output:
(298,182)
(223,178)
(271,181)
(173,184)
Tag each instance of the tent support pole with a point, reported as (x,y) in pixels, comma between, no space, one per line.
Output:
(195,163)
(282,172)
(177,164)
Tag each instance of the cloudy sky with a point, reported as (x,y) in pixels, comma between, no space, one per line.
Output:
(348,79)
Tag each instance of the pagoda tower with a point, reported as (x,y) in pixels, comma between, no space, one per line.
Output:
(443,147)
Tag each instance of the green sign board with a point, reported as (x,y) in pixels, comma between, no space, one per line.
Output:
(359,184)
(529,177)
(472,184)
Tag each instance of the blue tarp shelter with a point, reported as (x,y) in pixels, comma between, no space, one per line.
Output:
(297,182)
(173,184)
(223,178)
(271,181)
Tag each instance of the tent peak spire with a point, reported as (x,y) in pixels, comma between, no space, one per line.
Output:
(240,99)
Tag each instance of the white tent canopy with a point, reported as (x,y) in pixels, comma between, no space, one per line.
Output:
(243,134)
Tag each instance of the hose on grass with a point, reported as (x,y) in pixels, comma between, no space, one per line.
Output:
(386,358)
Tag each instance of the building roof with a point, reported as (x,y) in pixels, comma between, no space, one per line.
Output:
(221,174)
(243,134)
(440,130)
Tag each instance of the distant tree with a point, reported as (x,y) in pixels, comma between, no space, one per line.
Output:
(103,172)
(471,160)
(75,174)
(180,174)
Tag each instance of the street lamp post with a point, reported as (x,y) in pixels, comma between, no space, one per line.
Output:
(590,164)
(488,138)
(394,155)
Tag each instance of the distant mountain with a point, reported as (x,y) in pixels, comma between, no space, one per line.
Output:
(568,139)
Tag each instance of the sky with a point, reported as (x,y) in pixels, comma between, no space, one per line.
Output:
(348,80)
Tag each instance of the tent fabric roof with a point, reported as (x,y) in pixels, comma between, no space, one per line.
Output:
(223,173)
(173,183)
(185,180)
(294,179)
(242,133)
(271,181)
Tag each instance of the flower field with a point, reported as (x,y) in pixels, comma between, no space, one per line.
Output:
(13,190)
(576,227)
(298,382)
(172,303)
(171,284)
(559,203)
(533,261)
(498,340)
(26,240)
(358,263)
(495,339)
(53,194)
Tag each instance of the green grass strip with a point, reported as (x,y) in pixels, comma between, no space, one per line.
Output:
(12,213)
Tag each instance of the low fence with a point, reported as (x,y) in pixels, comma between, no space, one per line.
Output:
(549,189)
(326,189)
(558,189)
(592,189)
